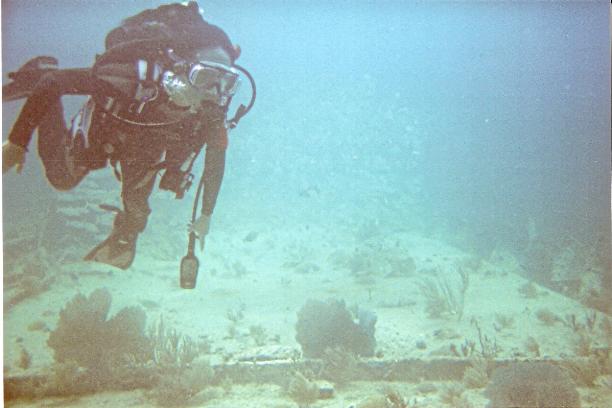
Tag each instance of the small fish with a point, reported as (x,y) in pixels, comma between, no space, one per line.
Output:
(110,208)
(311,191)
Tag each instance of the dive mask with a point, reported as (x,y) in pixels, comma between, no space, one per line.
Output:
(201,81)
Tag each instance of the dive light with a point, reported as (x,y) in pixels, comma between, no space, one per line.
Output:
(189,265)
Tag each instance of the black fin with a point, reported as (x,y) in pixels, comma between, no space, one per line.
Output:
(114,252)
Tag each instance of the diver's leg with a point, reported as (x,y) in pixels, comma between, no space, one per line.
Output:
(44,110)
(53,145)
(141,151)
(45,96)
(119,249)
(138,180)
(25,78)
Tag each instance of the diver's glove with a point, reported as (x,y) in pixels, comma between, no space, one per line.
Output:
(12,156)
(200,228)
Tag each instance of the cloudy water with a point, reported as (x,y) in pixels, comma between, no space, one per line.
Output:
(394,150)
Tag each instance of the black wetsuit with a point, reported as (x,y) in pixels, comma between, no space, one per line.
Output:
(136,148)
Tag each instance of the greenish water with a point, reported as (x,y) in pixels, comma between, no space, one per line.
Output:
(472,134)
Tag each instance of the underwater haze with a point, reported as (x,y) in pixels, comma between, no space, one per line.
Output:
(391,144)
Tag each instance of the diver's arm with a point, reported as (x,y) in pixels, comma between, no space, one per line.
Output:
(214,168)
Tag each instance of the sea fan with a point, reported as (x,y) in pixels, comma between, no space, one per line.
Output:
(536,385)
(322,325)
(85,336)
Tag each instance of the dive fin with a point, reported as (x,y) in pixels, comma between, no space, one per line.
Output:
(24,80)
(114,251)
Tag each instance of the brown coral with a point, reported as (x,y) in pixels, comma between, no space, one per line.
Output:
(537,385)
(85,336)
(323,325)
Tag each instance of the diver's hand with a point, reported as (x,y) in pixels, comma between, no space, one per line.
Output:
(12,156)
(200,228)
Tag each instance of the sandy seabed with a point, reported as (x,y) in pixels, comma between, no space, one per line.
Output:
(266,272)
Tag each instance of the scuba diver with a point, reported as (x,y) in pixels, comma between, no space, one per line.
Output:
(159,93)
